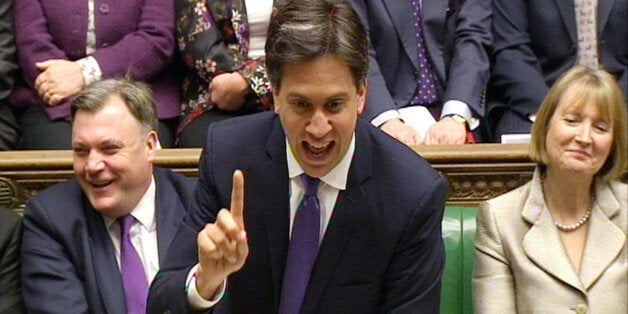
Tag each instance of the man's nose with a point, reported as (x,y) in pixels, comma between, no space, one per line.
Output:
(94,163)
(319,124)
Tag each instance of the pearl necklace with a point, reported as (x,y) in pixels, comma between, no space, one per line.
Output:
(575,226)
(579,223)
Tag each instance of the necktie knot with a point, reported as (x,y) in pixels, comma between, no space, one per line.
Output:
(311,185)
(126,222)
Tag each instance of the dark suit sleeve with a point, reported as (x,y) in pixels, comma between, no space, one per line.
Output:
(168,291)
(517,73)
(413,282)
(10,239)
(469,66)
(51,283)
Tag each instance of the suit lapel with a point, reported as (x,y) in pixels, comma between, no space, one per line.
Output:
(604,10)
(341,224)
(567,11)
(605,239)
(434,14)
(106,271)
(400,13)
(168,211)
(543,235)
(265,181)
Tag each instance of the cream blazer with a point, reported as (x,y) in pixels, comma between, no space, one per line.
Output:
(521,265)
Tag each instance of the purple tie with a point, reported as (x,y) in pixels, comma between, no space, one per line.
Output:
(302,250)
(133,276)
(426,91)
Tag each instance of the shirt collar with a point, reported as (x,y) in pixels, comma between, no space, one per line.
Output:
(144,211)
(336,178)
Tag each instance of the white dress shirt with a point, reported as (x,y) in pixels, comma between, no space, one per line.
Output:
(331,185)
(143,233)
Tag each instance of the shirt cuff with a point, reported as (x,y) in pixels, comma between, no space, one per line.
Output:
(195,300)
(385,117)
(90,69)
(460,108)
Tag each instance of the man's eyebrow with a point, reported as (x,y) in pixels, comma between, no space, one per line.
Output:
(337,95)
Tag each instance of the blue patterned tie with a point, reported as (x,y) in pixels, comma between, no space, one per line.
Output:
(426,91)
(133,276)
(302,250)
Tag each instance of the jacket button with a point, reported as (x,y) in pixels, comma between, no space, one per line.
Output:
(581,308)
(104,8)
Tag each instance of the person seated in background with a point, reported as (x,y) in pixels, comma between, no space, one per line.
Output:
(558,243)
(62,48)
(222,44)
(94,243)
(10,238)
(536,41)
(8,68)
(360,192)
(430,54)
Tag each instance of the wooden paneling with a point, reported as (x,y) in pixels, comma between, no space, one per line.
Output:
(475,172)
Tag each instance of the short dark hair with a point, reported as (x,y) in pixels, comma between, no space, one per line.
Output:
(302,30)
(137,96)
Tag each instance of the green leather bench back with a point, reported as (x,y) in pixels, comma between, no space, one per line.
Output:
(459,235)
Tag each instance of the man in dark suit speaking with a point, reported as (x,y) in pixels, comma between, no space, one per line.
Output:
(93,244)
(308,209)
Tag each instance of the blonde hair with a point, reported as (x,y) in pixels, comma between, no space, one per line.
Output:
(586,86)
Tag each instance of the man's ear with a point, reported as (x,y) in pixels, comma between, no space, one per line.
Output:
(362,94)
(275,102)
(152,144)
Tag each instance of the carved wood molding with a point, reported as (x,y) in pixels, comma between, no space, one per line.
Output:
(475,172)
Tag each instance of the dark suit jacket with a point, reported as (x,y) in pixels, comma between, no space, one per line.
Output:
(536,42)
(10,238)
(68,259)
(382,250)
(457,36)
(132,37)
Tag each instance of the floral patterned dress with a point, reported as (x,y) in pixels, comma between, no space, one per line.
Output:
(213,38)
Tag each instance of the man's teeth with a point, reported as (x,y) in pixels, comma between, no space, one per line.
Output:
(318,149)
(99,185)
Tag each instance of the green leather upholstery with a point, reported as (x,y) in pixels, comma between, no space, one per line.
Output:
(459,235)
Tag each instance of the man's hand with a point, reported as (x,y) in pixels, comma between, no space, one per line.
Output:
(446,132)
(58,80)
(228,91)
(402,132)
(222,246)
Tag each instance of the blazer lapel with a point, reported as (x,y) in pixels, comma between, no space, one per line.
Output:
(341,224)
(106,271)
(264,182)
(544,235)
(604,10)
(400,13)
(567,11)
(434,15)
(169,211)
(605,239)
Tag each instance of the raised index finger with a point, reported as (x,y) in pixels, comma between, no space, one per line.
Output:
(237,198)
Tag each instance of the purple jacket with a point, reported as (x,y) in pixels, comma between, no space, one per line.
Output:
(132,37)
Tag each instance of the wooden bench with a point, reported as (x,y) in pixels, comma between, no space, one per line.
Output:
(475,172)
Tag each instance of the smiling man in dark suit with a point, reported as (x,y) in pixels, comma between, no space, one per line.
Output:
(326,214)
(77,257)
